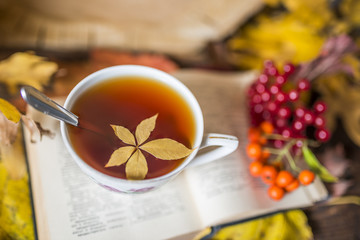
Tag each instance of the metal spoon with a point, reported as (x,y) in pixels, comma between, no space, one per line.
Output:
(42,103)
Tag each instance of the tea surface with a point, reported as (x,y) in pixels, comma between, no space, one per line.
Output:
(126,102)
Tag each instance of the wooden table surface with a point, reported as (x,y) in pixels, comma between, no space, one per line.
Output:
(328,221)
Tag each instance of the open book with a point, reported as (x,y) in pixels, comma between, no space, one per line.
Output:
(69,205)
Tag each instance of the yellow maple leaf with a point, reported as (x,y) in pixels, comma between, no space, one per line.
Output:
(26,68)
(136,164)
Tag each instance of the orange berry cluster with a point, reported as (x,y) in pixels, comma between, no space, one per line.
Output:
(279,180)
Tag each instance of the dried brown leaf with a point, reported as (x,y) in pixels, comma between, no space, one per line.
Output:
(43,131)
(166,149)
(340,188)
(9,121)
(351,118)
(13,158)
(120,156)
(136,168)
(124,134)
(144,129)
(334,160)
(34,129)
(8,130)
(11,148)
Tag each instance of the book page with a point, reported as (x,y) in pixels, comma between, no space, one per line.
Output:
(224,190)
(69,205)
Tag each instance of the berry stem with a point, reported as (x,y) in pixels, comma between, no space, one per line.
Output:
(284,152)
(276,137)
(292,162)
(273,150)
(309,142)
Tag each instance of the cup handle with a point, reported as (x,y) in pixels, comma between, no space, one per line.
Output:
(226,144)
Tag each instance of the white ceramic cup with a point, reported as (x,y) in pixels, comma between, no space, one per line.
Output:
(225,143)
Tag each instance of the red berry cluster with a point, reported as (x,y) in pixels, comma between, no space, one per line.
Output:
(277,98)
(283,121)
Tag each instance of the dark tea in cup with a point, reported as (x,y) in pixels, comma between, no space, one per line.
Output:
(126,101)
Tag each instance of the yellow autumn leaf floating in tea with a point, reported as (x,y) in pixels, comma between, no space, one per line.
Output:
(136,164)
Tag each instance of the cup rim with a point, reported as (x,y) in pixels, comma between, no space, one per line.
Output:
(95,77)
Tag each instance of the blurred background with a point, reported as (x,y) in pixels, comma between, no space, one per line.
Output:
(70,39)
(173,27)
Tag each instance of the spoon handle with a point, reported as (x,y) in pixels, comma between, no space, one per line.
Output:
(42,103)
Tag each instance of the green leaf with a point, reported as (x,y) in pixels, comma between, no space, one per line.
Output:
(316,166)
